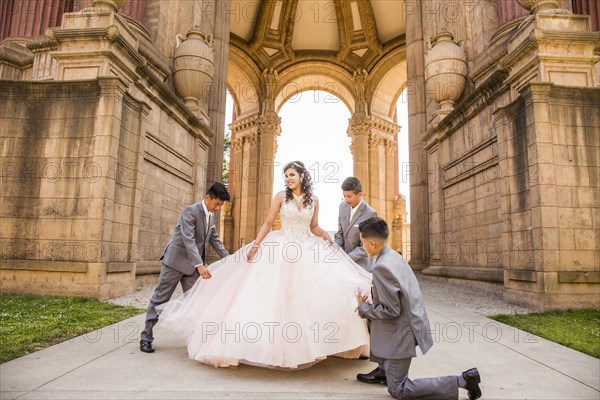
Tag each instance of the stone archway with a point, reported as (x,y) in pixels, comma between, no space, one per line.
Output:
(329,78)
(389,80)
(313,126)
(254,133)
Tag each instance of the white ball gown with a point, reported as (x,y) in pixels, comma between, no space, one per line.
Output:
(289,308)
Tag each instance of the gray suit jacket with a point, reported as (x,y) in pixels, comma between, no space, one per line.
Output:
(190,240)
(348,237)
(398,318)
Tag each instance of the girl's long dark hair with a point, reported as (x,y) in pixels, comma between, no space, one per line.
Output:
(306,185)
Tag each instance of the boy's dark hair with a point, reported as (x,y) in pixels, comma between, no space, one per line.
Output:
(374,228)
(352,184)
(218,191)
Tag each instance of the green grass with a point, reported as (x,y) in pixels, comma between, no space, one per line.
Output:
(579,330)
(29,323)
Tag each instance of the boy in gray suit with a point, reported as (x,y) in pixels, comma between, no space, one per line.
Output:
(399,322)
(184,257)
(353,211)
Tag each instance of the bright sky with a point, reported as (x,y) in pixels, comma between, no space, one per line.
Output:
(314,125)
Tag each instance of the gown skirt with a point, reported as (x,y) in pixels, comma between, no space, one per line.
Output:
(292,306)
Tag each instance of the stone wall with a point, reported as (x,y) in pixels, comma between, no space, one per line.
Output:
(551,140)
(513,193)
(99,154)
(94,176)
(54,204)
(168,172)
(512,170)
(464,190)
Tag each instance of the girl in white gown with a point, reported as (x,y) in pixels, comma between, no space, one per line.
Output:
(286,300)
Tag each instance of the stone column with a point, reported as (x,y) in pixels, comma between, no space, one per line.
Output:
(29,18)
(217,23)
(510,144)
(6,13)
(117,225)
(591,8)
(399,221)
(374,150)
(417,120)
(135,9)
(509,10)
(383,173)
(250,179)
(359,133)
(235,183)
(79,5)
(391,189)
(377,164)
(270,128)
(227,227)
(244,177)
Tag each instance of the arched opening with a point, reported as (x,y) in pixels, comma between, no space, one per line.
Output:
(404,169)
(389,102)
(314,125)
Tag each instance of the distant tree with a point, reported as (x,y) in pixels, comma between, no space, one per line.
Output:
(226,152)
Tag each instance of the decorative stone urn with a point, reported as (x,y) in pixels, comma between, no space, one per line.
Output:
(112,5)
(399,208)
(534,6)
(193,66)
(445,70)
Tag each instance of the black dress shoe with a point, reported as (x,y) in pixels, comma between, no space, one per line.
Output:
(146,346)
(375,376)
(473,379)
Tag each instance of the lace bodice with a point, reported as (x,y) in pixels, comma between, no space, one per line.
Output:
(295,222)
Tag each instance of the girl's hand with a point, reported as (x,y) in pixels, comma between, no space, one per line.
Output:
(252,252)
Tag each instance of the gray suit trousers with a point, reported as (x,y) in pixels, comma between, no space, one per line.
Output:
(167,283)
(400,387)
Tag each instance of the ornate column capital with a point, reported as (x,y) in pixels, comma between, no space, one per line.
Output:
(359,125)
(270,123)
(391,146)
(237,144)
(375,140)
(251,139)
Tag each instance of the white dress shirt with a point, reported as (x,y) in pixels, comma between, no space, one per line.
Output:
(207,220)
(353,210)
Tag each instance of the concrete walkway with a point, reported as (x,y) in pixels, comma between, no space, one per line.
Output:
(107,364)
